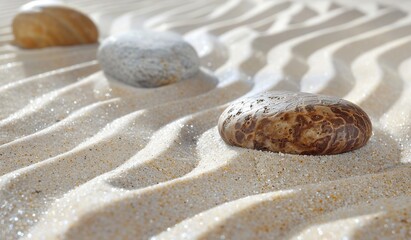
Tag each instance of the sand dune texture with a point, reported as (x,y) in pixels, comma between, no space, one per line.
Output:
(85,157)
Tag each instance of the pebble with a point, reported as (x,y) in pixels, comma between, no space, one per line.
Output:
(296,123)
(42,24)
(148,58)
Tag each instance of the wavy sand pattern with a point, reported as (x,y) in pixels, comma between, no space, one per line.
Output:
(86,157)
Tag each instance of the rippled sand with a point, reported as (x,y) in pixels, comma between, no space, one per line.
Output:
(86,157)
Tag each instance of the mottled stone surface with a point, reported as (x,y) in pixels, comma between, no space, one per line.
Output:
(148,58)
(298,123)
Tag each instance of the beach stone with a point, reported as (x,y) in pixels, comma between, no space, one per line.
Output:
(41,24)
(296,123)
(147,58)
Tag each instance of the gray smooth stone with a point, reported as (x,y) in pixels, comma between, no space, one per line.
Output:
(148,58)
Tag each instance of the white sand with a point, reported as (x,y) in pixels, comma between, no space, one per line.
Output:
(85,157)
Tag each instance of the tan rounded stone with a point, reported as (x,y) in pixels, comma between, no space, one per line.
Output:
(40,25)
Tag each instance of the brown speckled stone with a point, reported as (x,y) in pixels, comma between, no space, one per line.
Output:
(298,123)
